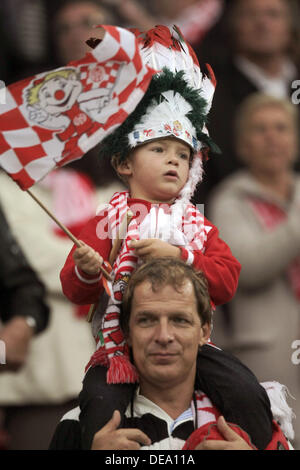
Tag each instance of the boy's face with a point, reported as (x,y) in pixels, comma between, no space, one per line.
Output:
(158,170)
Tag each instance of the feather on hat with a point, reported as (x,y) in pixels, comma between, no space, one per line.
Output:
(176,103)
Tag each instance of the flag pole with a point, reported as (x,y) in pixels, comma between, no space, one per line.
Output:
(64,228)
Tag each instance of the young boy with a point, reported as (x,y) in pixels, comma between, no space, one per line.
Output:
(157,151)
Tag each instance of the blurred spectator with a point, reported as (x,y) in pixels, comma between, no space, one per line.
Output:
(261,38)
(4,66)
(133,13)
(258,211)
(23,311)
(194,17)
(72,25)
(33,44)
(49,383)
(25,29)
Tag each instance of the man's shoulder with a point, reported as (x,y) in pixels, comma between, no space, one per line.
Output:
(67,435)
(233,85)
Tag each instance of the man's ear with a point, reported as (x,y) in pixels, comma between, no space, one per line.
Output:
(206,332)
(128,339)
(124,168)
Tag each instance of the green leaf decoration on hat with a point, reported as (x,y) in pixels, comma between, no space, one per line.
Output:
(117,143)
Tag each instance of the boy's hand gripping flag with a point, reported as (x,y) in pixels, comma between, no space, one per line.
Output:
(56,117)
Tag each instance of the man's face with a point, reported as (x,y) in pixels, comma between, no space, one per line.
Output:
(73,26)
(165,333)
(261,27)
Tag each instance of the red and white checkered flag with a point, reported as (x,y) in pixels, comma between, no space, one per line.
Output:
(56,117)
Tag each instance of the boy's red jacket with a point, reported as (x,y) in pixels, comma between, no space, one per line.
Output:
(215,260)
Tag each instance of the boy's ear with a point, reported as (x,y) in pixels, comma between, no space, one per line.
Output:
(124,168)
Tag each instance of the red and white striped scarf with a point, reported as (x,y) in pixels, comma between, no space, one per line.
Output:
(270,215)
(188,227)
(206,416)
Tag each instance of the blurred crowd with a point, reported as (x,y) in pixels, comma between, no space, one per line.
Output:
(251,193)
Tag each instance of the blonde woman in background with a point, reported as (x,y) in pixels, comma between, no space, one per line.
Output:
(257,210)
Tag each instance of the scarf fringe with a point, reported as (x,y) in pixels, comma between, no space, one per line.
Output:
(281,411)
(121,370)
(99,358)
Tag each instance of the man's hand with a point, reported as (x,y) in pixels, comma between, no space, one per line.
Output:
(154,248)
(16,335)
(112,438)
(87,259)
(232,441)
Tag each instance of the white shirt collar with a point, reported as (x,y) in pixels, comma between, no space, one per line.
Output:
(277,86)
(142,405)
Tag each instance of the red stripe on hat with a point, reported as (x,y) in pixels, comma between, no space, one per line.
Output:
(211,75)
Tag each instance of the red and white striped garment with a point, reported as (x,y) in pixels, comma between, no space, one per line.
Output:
(112,350)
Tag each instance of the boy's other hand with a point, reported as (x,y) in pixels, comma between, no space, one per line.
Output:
(87,259)
(232,440)
(154,248)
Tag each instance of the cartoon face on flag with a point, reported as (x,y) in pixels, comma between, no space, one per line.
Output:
(57,116)
(70,101)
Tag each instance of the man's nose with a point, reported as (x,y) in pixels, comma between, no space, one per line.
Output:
(272,134)
(164,333)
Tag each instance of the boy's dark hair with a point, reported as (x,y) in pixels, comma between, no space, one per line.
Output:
(118,159)
(167,271)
